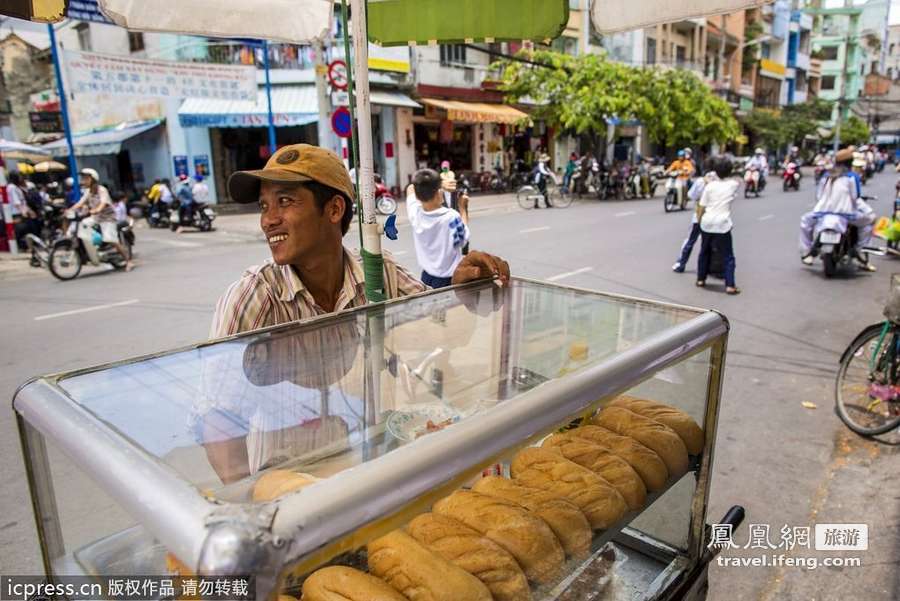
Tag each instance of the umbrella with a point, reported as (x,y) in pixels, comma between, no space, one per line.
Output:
(48,166)
(609,16)
(25,169)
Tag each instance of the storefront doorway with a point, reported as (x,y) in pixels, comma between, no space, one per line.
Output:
(444,141)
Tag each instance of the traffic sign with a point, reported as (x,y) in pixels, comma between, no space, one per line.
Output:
(337,74)
(342,122)
(340,98)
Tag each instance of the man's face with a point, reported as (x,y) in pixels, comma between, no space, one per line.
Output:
(295,228)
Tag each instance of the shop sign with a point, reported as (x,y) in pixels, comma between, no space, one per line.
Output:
(181,164)
(46,122)
(340,98)
(86,10)
(245,120)
(92,73)
(771,68)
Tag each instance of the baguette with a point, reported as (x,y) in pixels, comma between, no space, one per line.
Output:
(604,463)
(646,431)
(275,483)
(339,583)
(600,502)
(564,518)
(649,466)
(480,556)
(527,537)
(682,423)
(420,574)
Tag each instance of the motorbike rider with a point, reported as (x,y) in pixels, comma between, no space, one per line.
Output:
(840,193)
(570,169)
(100,206)
(185,197)
(761,164)
(540,175)
(793,156)
(683,169)
(200,190)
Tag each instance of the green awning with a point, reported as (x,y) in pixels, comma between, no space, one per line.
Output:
(400,22)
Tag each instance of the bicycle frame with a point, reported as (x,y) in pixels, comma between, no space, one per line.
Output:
(890,356)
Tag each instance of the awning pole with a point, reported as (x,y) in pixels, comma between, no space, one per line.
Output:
(272,146)
(354,149)
(371,251)
(63,103)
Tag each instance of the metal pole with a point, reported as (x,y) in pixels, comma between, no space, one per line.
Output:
(326,140)
(63,103)
(272,145)
(354,148)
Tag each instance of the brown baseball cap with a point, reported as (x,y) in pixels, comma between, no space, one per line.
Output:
(294,164)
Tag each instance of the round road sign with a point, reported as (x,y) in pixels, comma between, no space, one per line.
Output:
(342,122)
(337,74)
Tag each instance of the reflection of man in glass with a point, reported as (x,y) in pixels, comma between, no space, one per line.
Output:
(285,396)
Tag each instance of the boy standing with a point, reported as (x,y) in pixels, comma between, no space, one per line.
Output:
(439,232)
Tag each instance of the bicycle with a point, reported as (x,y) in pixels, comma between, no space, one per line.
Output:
(529,196)
(867,387)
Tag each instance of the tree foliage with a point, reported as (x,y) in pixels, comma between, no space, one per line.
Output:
(580,93)
(790,125)
(854,131)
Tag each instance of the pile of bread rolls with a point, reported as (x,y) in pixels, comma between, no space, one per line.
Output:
(497,539)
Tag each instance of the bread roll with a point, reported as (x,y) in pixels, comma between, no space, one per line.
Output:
(289,598)
(527,537)
(649,466)
(564,518)
(600,502)
(420,574)
(478,555)
(682,423)
(648,432)
(275,483)
(339,583)
(604,463)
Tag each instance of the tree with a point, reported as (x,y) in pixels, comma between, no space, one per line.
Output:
(854,131)
(790,125)
(580,93)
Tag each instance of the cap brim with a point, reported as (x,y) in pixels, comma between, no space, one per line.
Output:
(243,186)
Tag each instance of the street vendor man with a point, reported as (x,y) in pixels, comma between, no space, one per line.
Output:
(305,198)
(263,402)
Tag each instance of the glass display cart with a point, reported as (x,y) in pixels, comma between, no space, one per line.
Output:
(151,462)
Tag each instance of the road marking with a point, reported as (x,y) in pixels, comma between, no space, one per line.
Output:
(765,217)
(398,253)
(568,274)
(85,310)
(534,229)
(626,213)
(179,243)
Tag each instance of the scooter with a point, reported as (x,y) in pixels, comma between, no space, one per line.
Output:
(676,193)
(791,177)
(201,216)
(752,183)
(634,184)
(84,244)
(157,215)
(835,241)
(384,200)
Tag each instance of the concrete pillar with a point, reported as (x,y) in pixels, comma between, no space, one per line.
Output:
(389,136)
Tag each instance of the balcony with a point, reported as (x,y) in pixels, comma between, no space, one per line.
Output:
(801,61)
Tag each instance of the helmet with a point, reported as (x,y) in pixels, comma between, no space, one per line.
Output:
(680,154)
(91,173)
(445,164)
(688,152)
(198,177)
(794,149)
(69,181)
(759,151)
(183,177)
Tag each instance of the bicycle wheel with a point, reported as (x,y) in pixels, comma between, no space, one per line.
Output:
(526,196)
(560,198)
(867,398)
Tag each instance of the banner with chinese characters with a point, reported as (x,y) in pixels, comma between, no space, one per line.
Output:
(91,73)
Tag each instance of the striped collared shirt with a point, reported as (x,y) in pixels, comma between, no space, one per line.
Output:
(270,294)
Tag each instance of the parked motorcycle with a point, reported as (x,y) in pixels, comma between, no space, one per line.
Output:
(791,177)
(634,184)
(201,217)
(52,226)
(84,244)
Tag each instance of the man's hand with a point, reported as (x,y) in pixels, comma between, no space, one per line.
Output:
(479,265)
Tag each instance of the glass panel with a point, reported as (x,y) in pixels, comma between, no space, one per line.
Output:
(304,395)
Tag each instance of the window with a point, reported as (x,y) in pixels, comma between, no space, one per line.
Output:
(891,51)
(135,41)
(829,53)
(679,55)
(651,51)
(453,54)
(84,36)
(828,82)
(765,50)
(890,73)
(874,68)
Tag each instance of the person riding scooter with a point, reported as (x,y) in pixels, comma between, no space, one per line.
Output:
(683,170)
(185,197)
(761,164)
(97,200)
(840,194)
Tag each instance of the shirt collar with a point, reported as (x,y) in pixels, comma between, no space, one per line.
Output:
(354,279)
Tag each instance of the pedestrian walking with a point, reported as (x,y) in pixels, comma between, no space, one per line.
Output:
(439,232)
(714,211)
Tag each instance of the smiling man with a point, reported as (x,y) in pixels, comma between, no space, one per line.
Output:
(305,198)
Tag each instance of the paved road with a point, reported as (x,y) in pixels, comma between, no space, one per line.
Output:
(786,464)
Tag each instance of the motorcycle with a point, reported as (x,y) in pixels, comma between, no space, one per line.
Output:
(791,177)
(201,216)
(52,222)
(835,241)
(676,193)
(634,181)
(752,182)
(84,244)
(157,214)
(384,200)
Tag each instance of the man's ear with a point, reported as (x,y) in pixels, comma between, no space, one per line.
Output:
(335,208)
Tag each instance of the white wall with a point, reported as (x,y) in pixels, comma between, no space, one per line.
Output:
(389,136)
(406,154)
(151,151)
(430,72)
